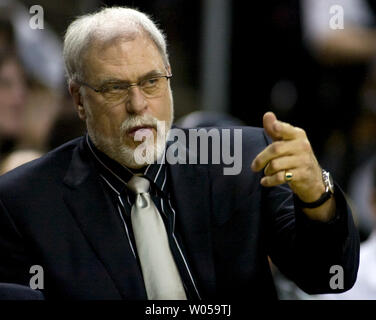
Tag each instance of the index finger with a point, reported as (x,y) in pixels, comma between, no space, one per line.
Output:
(285,131)
(272,151)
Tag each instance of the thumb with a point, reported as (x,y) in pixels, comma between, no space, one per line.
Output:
(270,122)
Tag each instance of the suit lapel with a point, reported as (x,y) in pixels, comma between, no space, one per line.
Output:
(102,226)
(190,188)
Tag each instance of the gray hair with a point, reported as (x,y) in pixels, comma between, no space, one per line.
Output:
(105,25)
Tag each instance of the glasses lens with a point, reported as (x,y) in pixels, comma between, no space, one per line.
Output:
(115,93)
(153,87)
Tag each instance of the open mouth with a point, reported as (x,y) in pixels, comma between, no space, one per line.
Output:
(144,130)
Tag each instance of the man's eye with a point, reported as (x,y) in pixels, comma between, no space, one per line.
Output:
(113,88)
(150,82)
(117,87)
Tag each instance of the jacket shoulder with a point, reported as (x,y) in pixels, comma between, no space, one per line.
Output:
(45,169)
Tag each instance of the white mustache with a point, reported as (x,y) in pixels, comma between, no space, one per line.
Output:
(137,121)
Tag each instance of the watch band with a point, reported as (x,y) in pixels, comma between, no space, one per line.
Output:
(324,197)
(329,190)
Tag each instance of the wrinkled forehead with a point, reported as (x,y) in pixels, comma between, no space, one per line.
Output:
(130,51)
(104,39)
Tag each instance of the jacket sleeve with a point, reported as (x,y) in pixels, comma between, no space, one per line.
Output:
(14,261)
(310,252)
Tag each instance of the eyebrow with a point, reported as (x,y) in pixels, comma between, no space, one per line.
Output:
(109,80)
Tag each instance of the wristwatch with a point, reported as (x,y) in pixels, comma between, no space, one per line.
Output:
(329,191)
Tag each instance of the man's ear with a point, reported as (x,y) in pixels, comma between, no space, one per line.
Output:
(74,90)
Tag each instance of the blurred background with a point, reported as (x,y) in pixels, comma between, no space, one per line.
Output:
(232,61)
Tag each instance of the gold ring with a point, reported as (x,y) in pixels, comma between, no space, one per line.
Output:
(288,176)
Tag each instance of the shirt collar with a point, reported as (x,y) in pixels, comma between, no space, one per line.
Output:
(117,175)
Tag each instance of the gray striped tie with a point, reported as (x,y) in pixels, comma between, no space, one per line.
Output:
(161,276)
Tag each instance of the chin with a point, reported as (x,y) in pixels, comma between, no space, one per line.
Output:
(126,150)
(126,158)
(128,155)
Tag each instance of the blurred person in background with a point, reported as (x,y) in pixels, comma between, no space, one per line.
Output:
(13,94)
(31,116)
(13,89)
(345,92)
(341,38)
(17,158)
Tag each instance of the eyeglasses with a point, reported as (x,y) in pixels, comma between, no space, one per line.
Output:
(116,93)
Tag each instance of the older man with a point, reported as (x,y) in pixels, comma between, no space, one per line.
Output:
(103,223)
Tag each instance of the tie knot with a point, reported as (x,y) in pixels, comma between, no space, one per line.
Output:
(138,185)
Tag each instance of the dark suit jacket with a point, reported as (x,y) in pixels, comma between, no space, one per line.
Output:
(54,213)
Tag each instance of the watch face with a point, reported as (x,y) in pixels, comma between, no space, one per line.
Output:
(328,181)
(331,183)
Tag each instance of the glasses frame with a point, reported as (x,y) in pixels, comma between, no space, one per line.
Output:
(134,84)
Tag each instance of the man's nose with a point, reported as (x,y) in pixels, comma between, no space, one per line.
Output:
(136,102)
